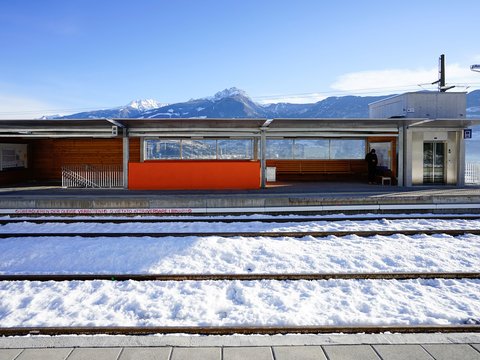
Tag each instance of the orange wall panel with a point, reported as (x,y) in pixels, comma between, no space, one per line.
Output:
(195,174)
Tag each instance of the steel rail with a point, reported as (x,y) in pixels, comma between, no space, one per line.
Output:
(230,330)
(242,277)
(181,219)
(272,234)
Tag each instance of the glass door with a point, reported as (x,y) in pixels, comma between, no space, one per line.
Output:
(433,162)
(384,154)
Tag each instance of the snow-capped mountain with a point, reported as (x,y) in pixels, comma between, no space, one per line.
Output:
(229,103)
(235,103)
(233,91)
(133,109)
(145,105)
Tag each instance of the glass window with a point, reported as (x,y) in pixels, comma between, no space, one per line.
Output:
(162,149)
(280,149)
(234,149)
(311,149)
(347,149)
(199,149)
(383,151)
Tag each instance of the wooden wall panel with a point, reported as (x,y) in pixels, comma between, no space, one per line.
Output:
(135,149)
(14,176)
(320,170)
(47,156)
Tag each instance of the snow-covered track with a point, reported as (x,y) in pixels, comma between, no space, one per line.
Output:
(242,277)
(231,330)
(256,234)
(207,219)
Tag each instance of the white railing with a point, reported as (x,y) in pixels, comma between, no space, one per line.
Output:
(92,176)
(472,173)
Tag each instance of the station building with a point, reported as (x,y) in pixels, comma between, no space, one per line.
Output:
(418,141)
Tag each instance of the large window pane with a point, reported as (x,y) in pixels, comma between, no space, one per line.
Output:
(199,149)
(162,149)
(311,149)
(280,149)
(347,149)
(234,149)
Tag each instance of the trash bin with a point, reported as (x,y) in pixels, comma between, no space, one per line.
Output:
(271,174)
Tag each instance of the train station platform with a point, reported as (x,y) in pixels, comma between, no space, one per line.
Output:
(453,346)
(332,197)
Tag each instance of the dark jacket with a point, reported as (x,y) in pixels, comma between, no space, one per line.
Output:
(372,160)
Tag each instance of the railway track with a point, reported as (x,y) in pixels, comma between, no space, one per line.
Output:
(180,219)
(242,277)
(227,330)
(272,234)
(231,330)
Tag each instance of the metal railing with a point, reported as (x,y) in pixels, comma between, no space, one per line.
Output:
(92,176)
(472,173)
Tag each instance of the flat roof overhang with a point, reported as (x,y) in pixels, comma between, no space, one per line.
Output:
(193,127)
(56,128)
(360,127)
(111,128)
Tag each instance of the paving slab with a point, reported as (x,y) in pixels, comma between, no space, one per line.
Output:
(182,341)
(476,346)
(44,354)
(242,353)
(299,353)
(97,354)
(196,354)
(452,352)
(9,354)
(402,352)
(162,353)
(350,352)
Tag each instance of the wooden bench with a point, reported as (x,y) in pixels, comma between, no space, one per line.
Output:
(286,166)
(311,166)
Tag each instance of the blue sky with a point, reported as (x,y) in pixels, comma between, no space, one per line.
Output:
(68,56)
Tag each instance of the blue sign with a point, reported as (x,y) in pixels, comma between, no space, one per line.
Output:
(467,133)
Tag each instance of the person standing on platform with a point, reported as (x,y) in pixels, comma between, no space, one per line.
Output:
(372,161)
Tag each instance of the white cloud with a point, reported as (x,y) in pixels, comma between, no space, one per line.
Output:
(401,80)
(17,107)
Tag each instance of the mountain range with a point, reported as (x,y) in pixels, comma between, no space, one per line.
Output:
(235,103)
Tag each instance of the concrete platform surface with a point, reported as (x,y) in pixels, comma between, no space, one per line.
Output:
(282,347)
(315,197)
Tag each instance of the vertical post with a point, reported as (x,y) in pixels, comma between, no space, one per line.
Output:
(255,148)
(407,157)
(461,159)
(401,152)
(126,157)
(441,73)
(263,155)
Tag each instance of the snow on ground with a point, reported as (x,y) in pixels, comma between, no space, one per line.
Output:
(213,254)
(190,303)
(332,302)
(254,226)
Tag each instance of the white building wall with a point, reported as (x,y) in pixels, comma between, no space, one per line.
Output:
(452,153)
(452,157)
(421,105)
(417,157)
